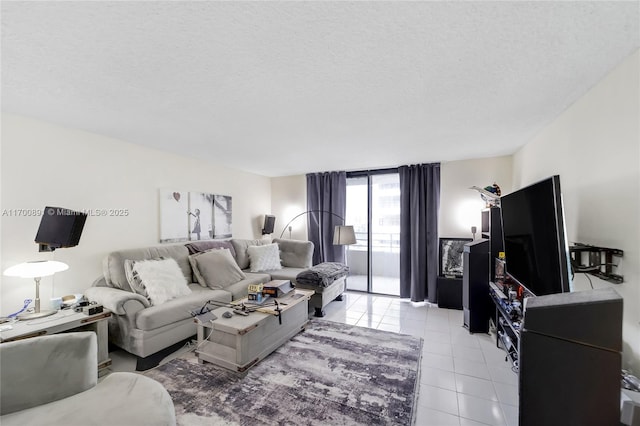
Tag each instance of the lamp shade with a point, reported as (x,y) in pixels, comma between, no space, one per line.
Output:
(36,268)
(344,235)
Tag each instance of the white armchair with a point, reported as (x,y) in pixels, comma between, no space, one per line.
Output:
(53,380)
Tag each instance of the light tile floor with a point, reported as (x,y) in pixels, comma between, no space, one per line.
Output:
(465,380)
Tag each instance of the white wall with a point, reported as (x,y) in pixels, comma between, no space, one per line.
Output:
(288,199)
(460,206)
(44,164)
(594,147)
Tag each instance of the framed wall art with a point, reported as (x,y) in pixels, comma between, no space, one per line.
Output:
(451,250)
(194,216)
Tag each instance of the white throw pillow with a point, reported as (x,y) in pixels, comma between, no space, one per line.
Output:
(161,279)
(133,278)
(264,258)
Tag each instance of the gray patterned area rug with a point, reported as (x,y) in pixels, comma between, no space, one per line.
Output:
(329,374)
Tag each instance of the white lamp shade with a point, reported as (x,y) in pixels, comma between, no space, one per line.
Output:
(36,268)
(344,235)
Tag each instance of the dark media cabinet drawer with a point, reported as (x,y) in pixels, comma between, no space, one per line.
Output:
(449,292)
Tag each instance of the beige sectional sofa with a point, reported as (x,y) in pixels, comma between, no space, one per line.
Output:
(145,329)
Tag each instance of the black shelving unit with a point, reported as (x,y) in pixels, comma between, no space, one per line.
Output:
(492,231)
(508,322)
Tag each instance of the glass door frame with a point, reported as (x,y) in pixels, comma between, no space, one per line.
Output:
(369,175)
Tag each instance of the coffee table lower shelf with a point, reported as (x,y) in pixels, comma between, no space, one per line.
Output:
(239,342)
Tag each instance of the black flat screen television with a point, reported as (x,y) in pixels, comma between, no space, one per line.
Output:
(59,227)
(535,244)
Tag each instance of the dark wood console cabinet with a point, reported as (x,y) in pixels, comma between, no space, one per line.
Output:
(449,292)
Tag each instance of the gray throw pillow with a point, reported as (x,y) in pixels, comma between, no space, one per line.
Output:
(216,269)
(264,258)
(241,246)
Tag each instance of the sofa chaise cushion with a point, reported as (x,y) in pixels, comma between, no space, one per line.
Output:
(285,274)
(240,289)
(178,309)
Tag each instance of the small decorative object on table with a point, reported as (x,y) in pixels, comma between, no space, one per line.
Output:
(277,288)
(255,293)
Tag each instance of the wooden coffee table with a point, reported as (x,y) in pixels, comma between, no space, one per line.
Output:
(239,342)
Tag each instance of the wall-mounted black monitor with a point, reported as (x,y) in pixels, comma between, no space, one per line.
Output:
(59,227)
(535,244)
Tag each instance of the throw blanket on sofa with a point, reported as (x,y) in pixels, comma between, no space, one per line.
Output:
(323,274)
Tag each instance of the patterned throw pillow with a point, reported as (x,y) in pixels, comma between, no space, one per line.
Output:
(159,280)
(264,258)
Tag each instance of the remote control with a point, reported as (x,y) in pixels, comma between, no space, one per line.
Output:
(239,312)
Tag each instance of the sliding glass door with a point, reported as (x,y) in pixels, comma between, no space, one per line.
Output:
(373,207)
(358,216)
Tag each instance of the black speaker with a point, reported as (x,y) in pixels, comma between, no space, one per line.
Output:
(477,306)
(570,359)
(269,224)
(60,227)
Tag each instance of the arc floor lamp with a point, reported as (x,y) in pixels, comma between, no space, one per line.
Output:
(342,234)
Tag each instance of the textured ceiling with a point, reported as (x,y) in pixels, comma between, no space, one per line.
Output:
(282,88)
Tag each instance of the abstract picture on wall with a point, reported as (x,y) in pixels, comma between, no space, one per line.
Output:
(451,250)
(193,216)
(222,216)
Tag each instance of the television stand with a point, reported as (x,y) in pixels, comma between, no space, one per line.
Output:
(508,322)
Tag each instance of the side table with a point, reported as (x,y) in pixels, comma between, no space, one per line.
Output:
(65,321)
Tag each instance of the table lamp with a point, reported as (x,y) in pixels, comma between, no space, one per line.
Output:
(36,270)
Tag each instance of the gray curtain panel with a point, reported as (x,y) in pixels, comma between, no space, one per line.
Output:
(419,205)
(326,203)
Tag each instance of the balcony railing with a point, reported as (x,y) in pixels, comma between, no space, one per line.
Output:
(380,241)
(385,254)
